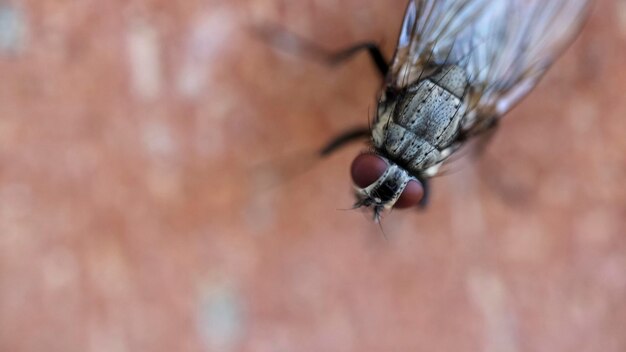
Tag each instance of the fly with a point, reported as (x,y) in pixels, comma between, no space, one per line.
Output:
(459,66)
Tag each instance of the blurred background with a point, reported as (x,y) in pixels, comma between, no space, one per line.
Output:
(130,219)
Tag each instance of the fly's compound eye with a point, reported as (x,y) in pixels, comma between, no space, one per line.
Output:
(411,196)
(367,168)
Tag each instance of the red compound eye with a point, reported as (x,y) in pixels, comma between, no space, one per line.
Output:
(367,168)
(411,196)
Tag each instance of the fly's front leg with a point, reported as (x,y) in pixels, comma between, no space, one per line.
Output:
(378,59)
(293,43)
(345,138)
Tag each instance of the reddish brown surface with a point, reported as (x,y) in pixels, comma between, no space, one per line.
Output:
(128,131)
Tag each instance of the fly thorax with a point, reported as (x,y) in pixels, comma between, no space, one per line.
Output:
(433,108)
(451,78)
(424,120)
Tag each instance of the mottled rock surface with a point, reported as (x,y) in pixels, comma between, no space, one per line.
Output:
(135,143)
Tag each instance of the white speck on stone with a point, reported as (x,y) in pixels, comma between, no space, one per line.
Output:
(12,29)
(145,60)
(220,318)
(489,295)
(157,139)
(208,39)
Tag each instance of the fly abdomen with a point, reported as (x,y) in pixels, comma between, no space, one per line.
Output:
(432,110)
(451,78)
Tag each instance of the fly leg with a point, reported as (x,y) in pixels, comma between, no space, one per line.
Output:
(290,42)
(344,139)
(378,59)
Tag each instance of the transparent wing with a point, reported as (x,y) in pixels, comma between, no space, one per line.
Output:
(429,32)
(505,47)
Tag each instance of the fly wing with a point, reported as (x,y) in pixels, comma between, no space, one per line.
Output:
(428,35)
(505,47)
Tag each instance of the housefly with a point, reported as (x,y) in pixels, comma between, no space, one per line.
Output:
(459,66)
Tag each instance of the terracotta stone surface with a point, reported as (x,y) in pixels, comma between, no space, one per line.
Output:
(155,195)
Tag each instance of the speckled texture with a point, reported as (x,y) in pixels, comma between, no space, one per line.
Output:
(135,212)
